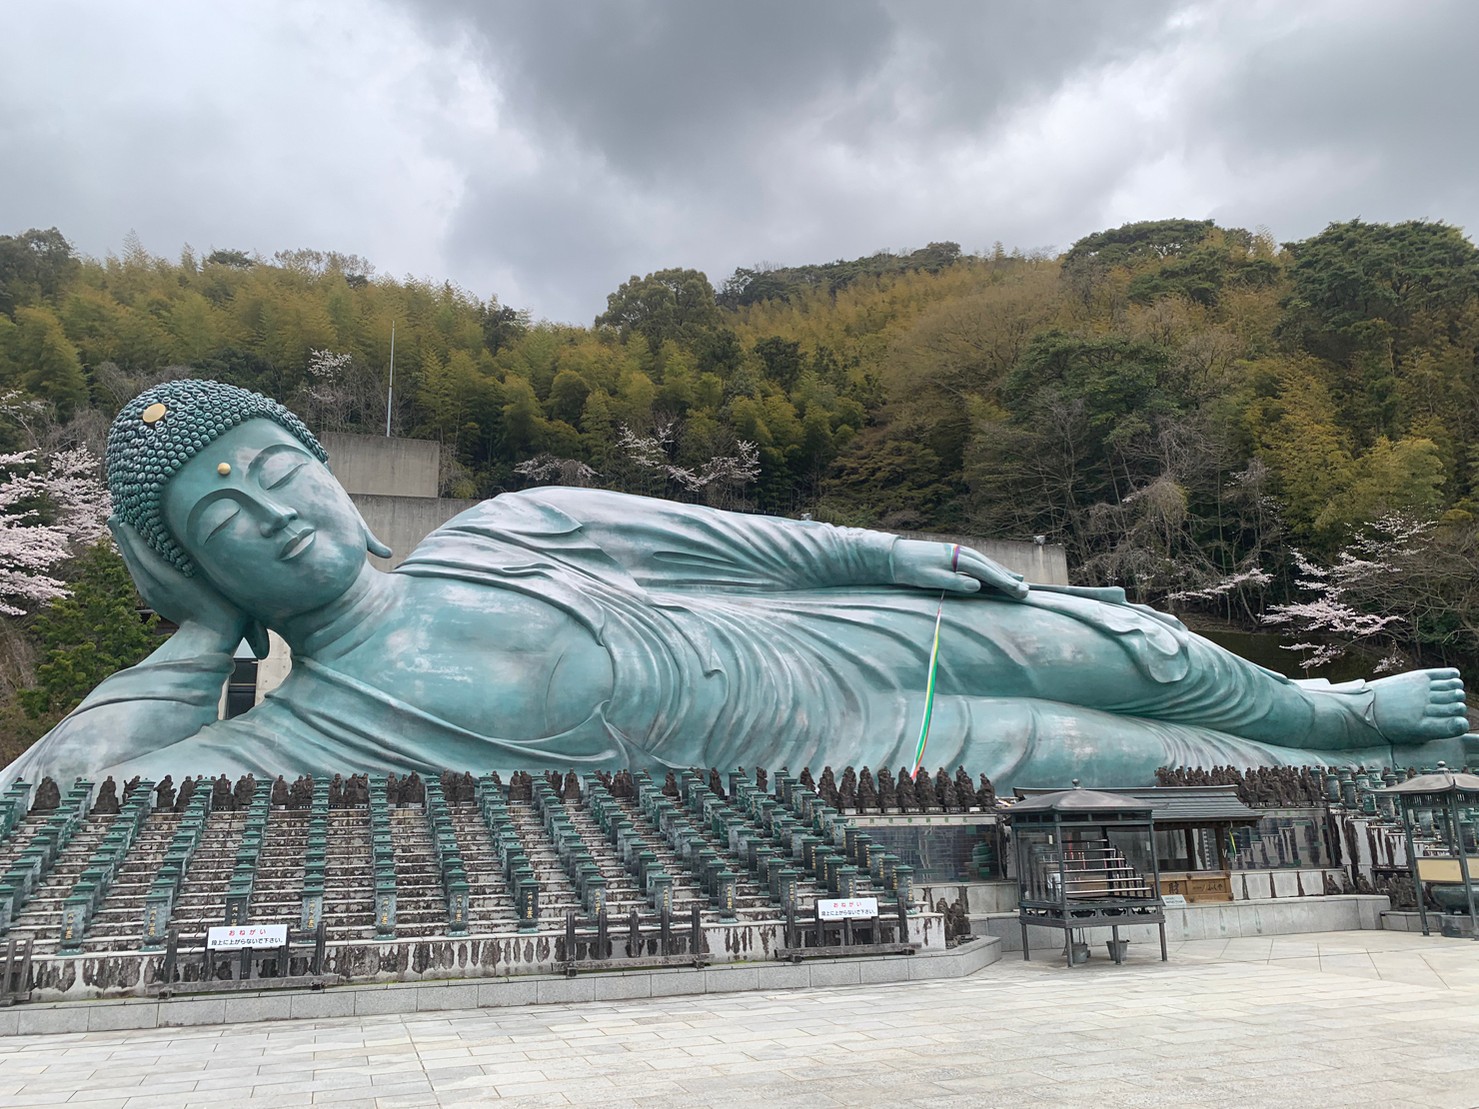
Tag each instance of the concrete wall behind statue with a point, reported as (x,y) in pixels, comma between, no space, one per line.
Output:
(403,522)
(384,467)
(1044,563)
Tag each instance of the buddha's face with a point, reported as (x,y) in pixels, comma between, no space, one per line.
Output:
(266,522)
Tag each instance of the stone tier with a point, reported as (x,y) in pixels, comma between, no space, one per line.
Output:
(97,884)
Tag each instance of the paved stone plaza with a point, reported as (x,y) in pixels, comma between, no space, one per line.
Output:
(1331,1019)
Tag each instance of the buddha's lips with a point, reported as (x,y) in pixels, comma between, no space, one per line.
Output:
(297,543)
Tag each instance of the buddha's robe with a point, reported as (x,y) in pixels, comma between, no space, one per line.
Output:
(752,640)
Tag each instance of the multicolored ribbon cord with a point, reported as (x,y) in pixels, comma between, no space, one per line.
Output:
(929,688)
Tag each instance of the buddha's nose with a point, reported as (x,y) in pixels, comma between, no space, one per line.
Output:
(278,516)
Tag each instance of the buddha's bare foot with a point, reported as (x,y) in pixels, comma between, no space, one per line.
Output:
(1420,705)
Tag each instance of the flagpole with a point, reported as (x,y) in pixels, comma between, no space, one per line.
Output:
(390,389)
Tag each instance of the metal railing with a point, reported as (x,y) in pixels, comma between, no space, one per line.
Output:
(885,934)
(15,972)
(302,957)
(588,943)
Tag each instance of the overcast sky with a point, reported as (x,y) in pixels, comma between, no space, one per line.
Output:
(544,151)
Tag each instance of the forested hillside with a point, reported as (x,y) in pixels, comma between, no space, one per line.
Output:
(1189,409)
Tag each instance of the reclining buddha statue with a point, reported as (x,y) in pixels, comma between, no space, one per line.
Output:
(577,628)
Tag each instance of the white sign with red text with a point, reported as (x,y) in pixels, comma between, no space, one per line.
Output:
(847,908)
(238,936)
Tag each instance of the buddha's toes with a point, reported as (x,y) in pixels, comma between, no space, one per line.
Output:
(1420,706)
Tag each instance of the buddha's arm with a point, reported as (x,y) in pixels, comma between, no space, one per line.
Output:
(665,545)
(168,697)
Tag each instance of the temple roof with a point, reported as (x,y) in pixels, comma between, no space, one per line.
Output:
(1078,800)
(1443,781)
(1168,804)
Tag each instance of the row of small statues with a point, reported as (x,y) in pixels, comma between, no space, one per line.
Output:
(1277,786)
(858,791)
(344,792)
(1397,887)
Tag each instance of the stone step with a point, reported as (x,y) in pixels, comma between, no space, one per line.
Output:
(349,905)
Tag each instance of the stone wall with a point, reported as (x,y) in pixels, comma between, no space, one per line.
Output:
(248,1005)
(134,973)
(1044,563)
(391,467)
(1224,920)
(401,523)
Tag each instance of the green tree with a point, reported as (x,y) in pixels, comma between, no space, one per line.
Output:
(524,426)
(567,396)
(502,325)
(34,266)
(48,362)
(1126,393)
(1299,435)
(1133,242)
(679,385)
(1378,288)
(781,359)
(1089,260)
(90,634)
(887,482)
(1404,479)
(672,304)
(234,259)
(634,399)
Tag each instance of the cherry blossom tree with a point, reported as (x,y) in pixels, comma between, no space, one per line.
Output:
(1333,615)
(719,480)
(1356,601)
(48,508)
(339,393)
(650,469)
(548,469)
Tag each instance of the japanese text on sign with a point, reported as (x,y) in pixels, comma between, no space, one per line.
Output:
(247,935)
(847,908)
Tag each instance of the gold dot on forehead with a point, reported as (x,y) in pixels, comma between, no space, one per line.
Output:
(223,469)
(154,413)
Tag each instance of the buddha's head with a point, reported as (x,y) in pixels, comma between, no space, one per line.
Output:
(228,484)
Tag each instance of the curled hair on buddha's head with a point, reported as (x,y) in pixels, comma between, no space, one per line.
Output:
(161,429)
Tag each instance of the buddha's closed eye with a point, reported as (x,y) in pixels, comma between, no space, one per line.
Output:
(280,469)
(216,517)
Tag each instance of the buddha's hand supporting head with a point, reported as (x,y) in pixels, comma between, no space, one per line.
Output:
(224,485)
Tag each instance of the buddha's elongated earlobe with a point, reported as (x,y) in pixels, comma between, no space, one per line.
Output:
(372,544)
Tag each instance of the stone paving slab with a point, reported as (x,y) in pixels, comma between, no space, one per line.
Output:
(1341,1019)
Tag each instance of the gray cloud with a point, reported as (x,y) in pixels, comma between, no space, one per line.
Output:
(545,151)
(1379,99)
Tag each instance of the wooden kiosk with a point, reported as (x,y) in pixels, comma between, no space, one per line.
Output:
(1082,859)
(1193,828)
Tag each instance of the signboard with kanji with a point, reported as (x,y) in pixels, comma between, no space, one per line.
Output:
(256,936)
(847,908)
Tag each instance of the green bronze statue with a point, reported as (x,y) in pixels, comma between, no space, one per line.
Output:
(559,628)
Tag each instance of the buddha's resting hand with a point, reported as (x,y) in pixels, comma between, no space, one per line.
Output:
(188,602)
(951,568)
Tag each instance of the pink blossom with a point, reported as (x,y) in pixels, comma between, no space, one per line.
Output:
(65,492)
